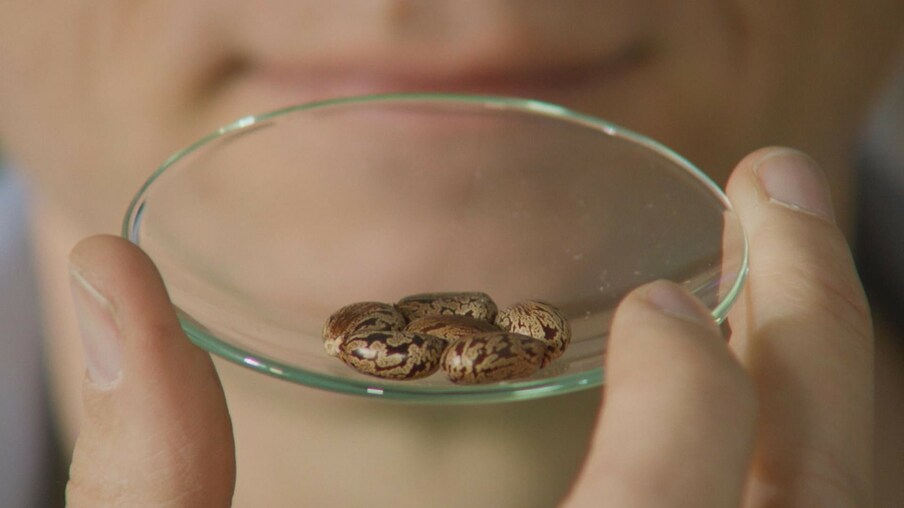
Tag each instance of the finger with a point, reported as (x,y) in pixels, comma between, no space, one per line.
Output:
(156,428)
(802,328)
(679,416)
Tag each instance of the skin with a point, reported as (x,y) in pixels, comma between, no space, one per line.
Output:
(126,84)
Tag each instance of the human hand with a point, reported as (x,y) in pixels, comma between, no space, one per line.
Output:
(780,416)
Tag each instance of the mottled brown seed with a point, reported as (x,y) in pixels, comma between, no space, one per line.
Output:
(538,320)
(472,304)
(357,317)
(392,355)
(492,357)
(450,328)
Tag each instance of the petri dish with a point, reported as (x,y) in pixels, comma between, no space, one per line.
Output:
(266,226)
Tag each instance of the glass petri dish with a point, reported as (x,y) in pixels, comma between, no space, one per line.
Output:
(268,225)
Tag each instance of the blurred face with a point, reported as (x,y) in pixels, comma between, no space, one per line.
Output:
(94,95)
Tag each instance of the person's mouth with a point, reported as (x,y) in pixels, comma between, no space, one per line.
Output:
(256,85)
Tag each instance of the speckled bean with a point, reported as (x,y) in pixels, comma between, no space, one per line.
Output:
(392,355)
(450,328)
(492,357)
(357,317)
(538,320)
(472,304)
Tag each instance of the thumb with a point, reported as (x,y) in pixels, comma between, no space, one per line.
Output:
(156,429)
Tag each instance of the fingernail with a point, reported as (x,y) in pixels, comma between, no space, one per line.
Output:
(671,299)
(100,333)
(793,179)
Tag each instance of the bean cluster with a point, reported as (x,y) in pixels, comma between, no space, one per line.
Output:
(462,333)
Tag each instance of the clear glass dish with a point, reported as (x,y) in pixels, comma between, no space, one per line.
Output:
(265,227)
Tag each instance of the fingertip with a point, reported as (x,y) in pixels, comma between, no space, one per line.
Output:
(797,250)
(88,247)
(98,256)
(784,177)
(743,174)
(663,303)
(663,326)
(125,275)
(129,323)
(672,299)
